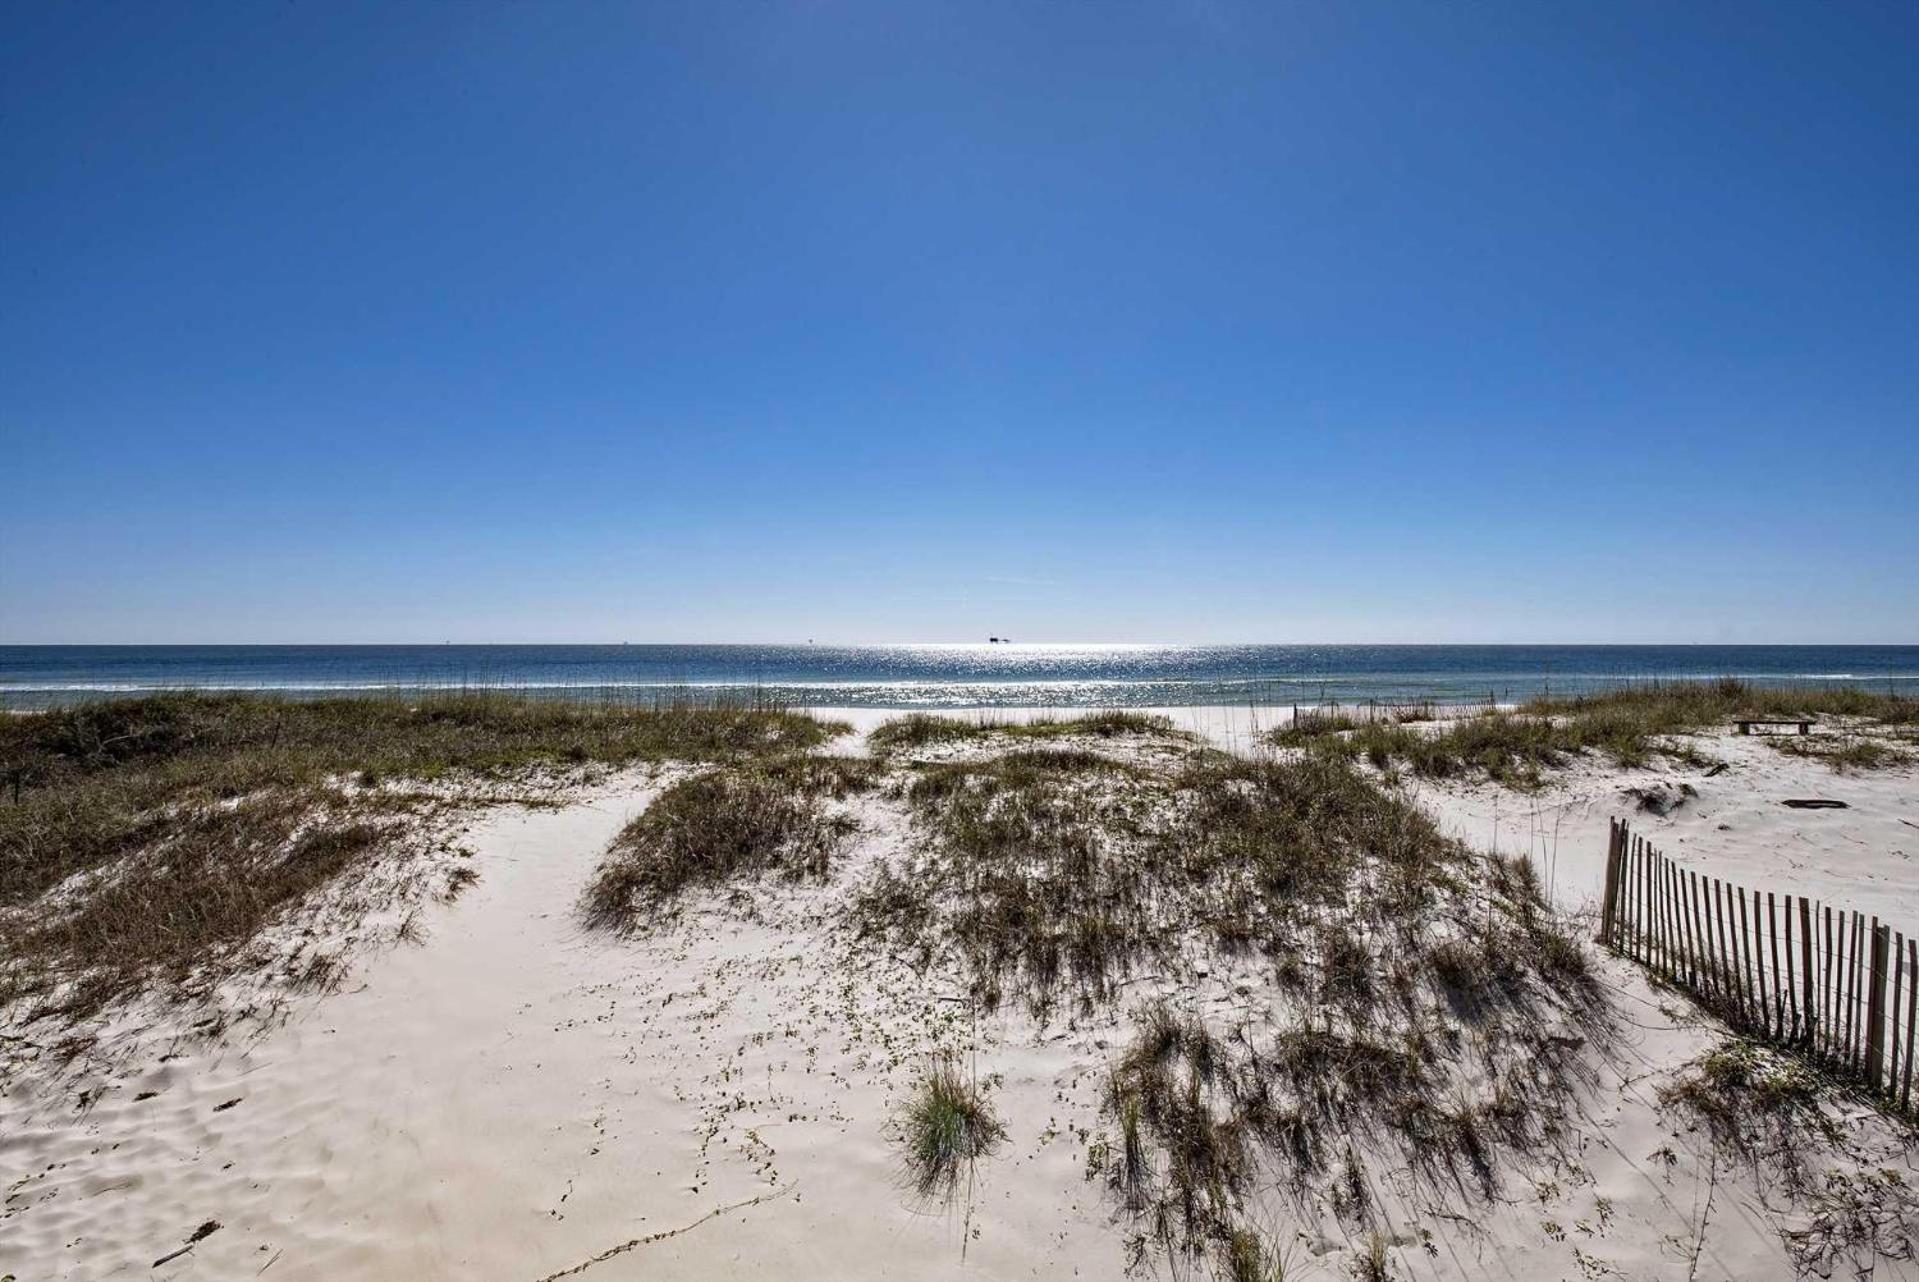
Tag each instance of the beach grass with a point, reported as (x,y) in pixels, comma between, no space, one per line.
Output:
(152,839)
(921,729)
(724,824)
(1428,1006)
(1632,726)
(946,1126)
(1058,878)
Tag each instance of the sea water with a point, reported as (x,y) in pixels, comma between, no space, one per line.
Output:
(939,676)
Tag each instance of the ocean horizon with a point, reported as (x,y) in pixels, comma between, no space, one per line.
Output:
(961,675)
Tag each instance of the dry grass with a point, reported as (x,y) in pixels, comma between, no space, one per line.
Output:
(1678,705)
(1771,1112)
(1630,727)
(1045,870)
(1847,752)
(1428,1004)
(100,780)
(729,823)
(1759,1103)
(1312,723)
(149,841)
(920,730)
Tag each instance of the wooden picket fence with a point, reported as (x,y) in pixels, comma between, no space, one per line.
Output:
(1830,985)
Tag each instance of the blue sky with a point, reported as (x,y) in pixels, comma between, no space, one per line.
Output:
(1188,321)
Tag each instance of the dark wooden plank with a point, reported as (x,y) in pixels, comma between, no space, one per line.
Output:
(1691,931)
(1778,977)
(1724,941)
(1827,1003)
(1643,904)
(1876,1007)
(1856,1001)
(1898,976)
(1856,993)
(1608,905)
(1660,908)
(1632,895)
(1745,955)
(1792,986)
(1630,873)
(1714,947)
(1649,879)
(1658,914)
(1842,1019)
(1842,1023)
(1805,956)
(1675,895)
(1912,1016)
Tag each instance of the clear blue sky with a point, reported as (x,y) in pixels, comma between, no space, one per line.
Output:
(1198,320)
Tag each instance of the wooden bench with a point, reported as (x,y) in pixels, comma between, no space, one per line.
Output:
(1746,724)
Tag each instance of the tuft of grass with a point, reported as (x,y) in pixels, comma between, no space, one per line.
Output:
(947,1125)
(715,827)
(920,730)
(1372,1264)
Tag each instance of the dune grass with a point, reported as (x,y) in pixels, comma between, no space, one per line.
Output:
(150,840)
(99,780)
(946,1126)
(1678,705)
(1051,878)
(920,729)
(1766,1109)
(1851,752)
(1631,727)
(733,822)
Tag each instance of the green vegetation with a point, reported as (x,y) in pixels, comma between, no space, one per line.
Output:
(1770,1111)
(1630,727)
(1849,752)
(920,729)
(1752,1098)
(1051,868)
(151,840)
(1681,705)
(1310,724)
(727,823)
(947,1125)
(1048,877)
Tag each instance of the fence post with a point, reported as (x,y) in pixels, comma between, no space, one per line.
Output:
(1806,989)
(1912,1016)
(1876,1008)
(1608,908)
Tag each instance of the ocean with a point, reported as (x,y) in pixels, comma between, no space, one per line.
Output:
(937,676)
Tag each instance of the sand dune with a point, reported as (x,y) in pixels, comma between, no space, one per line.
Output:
(514,1097)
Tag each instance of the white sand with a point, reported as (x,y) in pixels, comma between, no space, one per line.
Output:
(513,1096)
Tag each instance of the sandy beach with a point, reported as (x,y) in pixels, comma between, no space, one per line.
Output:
(512,1095)
(1199,642)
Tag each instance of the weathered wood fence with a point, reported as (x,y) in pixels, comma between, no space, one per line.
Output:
(1831,985)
